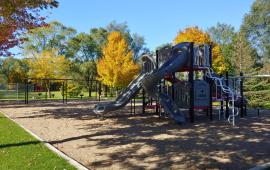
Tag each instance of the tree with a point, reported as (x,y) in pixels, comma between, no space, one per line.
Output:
(85,51)
(48,65)
(244,56)
(14,70)
(82,48)
(134,41)
(256,27)
(54,36)
(194,34)
(99,35)
(89,72)
(116,68)
(17,16)
(138,46)
(85,73)
(224,35)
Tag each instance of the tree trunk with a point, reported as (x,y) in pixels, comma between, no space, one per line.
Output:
(111,92)
(90,88)
(106,91)
(116,92)
(47,84)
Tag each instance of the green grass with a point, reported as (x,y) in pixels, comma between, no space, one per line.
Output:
(19,150)
(10,95)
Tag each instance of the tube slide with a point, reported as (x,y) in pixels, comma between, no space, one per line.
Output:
(150,81)
(178,60)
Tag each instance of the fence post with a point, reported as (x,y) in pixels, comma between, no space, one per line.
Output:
(25,91)
(63,91)
(242,95)
(99,91)
(17,89)
(66,91)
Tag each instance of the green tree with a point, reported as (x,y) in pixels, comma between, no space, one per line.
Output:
(256,27)
(54,36)
(82,48)
(84,73)
(135,42)
(14,70)
(244,56)
(224,35)
(99,35)
(85,51)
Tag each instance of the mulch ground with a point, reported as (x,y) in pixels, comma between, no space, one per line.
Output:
(125,141)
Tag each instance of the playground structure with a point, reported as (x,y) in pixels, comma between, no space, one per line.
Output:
(181,77)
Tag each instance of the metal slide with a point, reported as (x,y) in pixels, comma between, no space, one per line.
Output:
(123,98)
(150,81)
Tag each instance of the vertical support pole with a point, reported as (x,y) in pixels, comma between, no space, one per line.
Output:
(210,86)
(17,89)
(25,90)
(221,107)
(173,86)
(242,95)
(90,83)
(49,89)
(134,105)
(99,91)
(221,101)
(131,106)
(227,95)
(157,100)
(63,91)
(143,102)
(66,91)
(191,83)
(96,90)
(46,93)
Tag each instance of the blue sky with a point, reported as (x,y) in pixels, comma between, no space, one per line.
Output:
(157,20)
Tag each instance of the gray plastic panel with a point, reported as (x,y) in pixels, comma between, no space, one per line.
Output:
(201,93)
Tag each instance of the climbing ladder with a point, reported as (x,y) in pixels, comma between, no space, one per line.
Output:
(225,89)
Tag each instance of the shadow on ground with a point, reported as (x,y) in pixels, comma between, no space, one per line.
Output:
(148,142)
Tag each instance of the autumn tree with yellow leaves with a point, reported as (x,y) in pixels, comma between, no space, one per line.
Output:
(194,34)
(48,65)
(116,67)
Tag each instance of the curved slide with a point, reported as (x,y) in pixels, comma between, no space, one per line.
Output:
(150,81)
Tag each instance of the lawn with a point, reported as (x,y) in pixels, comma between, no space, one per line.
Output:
(13,95)
(19,150)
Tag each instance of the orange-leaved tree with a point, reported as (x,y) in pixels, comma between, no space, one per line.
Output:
(116,67)
(194,34)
